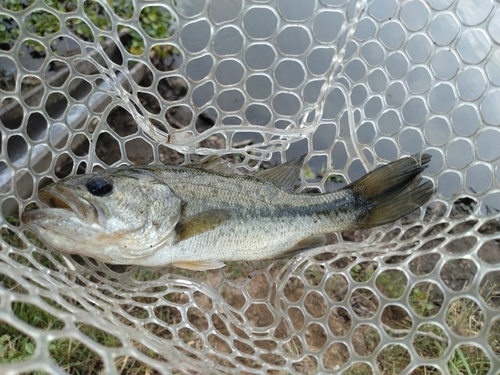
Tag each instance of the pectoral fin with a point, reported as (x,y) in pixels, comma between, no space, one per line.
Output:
(201,265)
(311,242)
(200,223)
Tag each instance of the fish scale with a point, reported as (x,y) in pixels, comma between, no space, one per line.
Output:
(198,216)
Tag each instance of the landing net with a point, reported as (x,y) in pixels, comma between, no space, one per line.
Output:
(86,85)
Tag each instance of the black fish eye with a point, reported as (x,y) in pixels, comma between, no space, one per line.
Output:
(99,186)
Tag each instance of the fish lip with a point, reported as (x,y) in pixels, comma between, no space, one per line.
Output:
(60,197)
(28,217)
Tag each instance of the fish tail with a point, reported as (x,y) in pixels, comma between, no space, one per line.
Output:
(391,192)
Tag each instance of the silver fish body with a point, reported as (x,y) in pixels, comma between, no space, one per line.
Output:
(198,216)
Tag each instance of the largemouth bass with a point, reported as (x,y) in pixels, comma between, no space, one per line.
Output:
(198,216)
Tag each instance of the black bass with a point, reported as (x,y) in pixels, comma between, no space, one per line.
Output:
(199,215)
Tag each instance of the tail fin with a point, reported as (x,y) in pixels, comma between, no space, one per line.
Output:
(392,191)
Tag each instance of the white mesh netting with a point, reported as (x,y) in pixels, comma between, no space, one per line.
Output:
(93,84)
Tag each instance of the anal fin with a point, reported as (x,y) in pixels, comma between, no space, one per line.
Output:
(311,242)
(199,265)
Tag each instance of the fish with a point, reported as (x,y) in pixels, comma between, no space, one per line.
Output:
(200,215)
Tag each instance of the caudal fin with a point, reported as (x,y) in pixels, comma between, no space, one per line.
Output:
(391,192)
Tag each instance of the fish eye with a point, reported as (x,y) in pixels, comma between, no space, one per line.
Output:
(99,186)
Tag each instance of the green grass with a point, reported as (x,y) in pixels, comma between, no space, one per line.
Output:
(69,354)
(425,299)
(75,358)
(392,283)
(393,359)
(15,347)
(358,369)
(155,21)
(468,360)
(431,342)
(362,272)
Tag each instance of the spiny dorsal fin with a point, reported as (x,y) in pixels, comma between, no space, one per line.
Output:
(213,163)
(311,242)
(200,223)
(199,265)
(285,174)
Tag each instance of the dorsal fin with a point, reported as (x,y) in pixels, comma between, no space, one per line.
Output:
(213,163)
(285,174)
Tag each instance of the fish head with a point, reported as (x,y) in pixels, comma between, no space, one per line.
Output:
(118,216)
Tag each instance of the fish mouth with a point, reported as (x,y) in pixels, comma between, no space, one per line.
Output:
(63,199)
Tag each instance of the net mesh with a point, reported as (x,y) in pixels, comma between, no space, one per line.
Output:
(92,84)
